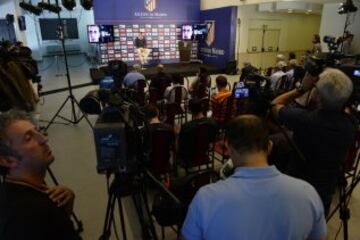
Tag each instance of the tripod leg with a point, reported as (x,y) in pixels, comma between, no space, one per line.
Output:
(108,217)
(148,212)
(122,219)
(83,114)
(140,214)
(56,114)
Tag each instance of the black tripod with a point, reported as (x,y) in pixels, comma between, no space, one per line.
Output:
(345,192)
(75,119)
(128,186)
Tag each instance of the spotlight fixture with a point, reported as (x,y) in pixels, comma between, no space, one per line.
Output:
(347,7)
(50,7)
(86,4)
(69,4)
(30,8)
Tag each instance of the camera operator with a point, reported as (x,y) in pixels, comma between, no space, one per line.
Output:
(257,201)
(30,209)
(347,47)
(323,135)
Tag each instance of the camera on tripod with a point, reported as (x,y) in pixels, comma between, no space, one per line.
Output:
(254,89)
(116,140)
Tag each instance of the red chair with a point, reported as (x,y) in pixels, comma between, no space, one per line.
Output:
(154,95)
(224,111)
(140,92)
(162,143)
(172,109)
(200,91)
(201,152)
(205,102)
(177,104)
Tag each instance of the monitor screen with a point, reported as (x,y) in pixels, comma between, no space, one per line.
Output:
(357,73)
(241,91)
(200,31)
(187,32)
(100,33)
(49,28)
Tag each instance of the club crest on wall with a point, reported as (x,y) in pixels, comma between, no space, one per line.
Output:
(150,5)
(210,38)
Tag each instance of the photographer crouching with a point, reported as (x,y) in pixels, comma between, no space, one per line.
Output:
(323,135)
(30,209)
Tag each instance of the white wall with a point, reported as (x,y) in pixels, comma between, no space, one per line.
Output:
(296,32)
(333,24)
(32,36)
(33,33)
(209,4)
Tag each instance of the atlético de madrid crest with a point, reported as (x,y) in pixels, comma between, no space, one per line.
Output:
(150,5)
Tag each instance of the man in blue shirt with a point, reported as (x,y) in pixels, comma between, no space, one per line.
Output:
(257,201)
(132,77)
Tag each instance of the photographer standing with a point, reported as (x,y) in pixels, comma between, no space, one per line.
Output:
(29,209)
(323,135)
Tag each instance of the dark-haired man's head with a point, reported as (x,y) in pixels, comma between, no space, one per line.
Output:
(160,68)
(151,112)
(178,79)
(248,141)
(196,107)
(292,55)
(316,38)
(203,70)
(221,82)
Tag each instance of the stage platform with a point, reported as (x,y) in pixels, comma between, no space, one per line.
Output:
(185,69)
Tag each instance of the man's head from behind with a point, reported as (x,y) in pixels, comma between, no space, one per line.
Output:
(221,82)
(22,147)
(280,57)
(151,111)
(195,106)
(160,68)
(334,89)
(136,68)
(280,66)
(247,135)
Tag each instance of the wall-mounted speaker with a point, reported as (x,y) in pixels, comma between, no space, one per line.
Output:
(22,23)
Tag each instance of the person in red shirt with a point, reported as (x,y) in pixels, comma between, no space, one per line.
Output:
(218,106)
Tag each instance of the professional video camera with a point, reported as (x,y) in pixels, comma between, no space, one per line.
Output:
(254,89)
(117,135)
(118,143)
(316,64)
(333,43)
(347,7)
